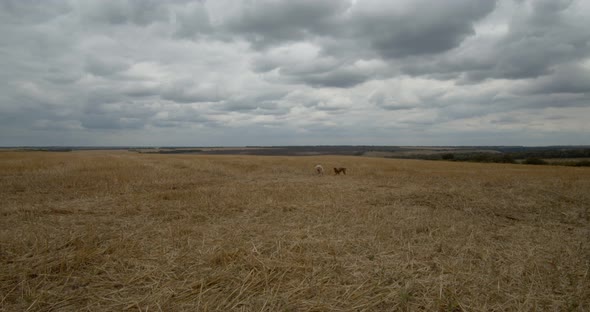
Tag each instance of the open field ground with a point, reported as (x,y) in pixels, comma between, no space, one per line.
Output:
(115,230)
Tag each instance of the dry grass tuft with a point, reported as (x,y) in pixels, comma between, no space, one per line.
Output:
(111,231)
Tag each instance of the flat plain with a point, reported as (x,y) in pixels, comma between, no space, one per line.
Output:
(116,230)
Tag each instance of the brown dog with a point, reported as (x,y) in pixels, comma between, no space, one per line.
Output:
(338,170)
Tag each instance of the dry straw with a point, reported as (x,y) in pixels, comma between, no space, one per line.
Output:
(113,231)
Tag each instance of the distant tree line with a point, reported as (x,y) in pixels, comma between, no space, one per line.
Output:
(528,157)
(50,149)
(555,153)
(179,151)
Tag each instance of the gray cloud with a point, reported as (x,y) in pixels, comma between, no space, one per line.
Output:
(382,100)
(177,117)
(92,121)
(360,31)
(568,78)
(192,21)
(293,72)
(191,93)
(419,27)
(114,12)
(273,22)
(105,67)
(340,78)
(541,36)
(32,12)
(262,102)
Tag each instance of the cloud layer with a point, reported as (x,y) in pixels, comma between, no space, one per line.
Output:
(279,72)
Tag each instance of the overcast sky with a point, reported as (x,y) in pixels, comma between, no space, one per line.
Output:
(294,72)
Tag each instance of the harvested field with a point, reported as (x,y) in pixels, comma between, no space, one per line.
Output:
(113,231)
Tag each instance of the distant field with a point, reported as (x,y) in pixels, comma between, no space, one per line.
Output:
(564,160)
(409,152)
(113,231)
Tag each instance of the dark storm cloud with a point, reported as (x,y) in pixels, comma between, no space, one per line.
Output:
(301,64)
(532,49)
(422,27)
(339,78)
(565,79)
(273,22)
(365,30)
(418,27)
(541,36)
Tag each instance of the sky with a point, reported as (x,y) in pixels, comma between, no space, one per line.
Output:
(294,72)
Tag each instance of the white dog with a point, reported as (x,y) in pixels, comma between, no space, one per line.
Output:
(319,169)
